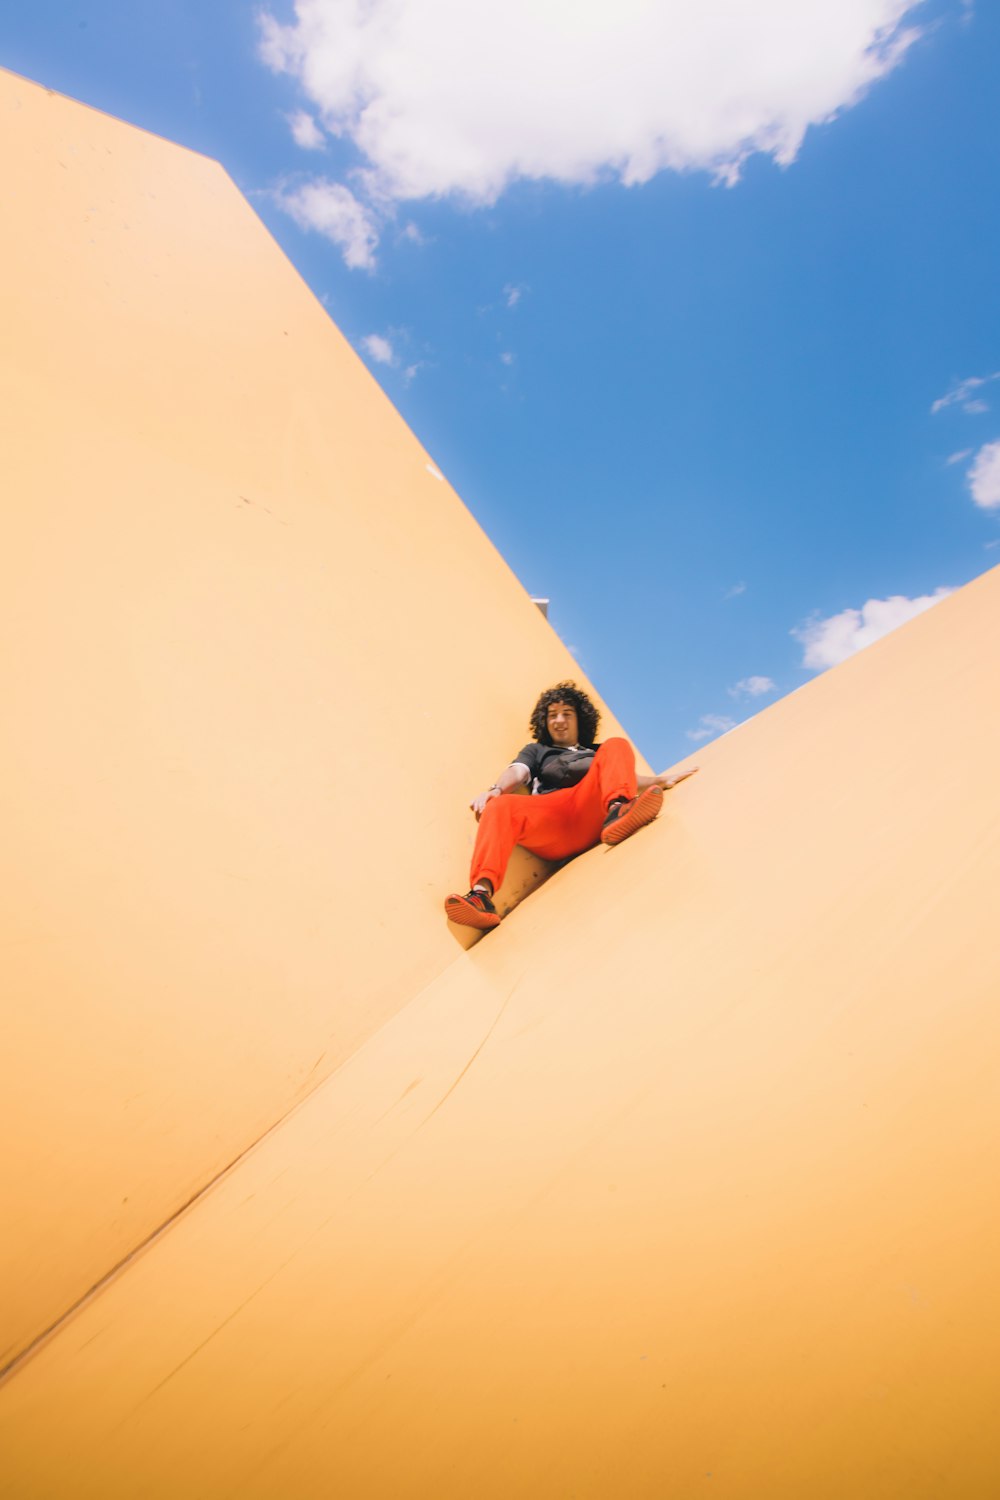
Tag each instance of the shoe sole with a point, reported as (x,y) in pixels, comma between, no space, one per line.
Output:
(462,912)
(645,808)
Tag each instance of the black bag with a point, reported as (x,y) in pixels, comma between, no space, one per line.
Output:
(563,768)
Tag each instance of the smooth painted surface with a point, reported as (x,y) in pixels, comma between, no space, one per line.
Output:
(683,1182)
(243,708)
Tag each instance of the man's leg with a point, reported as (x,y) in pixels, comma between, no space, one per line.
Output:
(502,824)
(555,825)
(604,807)
(625,811)
(614,769)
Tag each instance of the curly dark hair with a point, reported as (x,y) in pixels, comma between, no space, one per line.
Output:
(588,717)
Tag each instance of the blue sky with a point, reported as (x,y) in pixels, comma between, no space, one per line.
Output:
(688,301)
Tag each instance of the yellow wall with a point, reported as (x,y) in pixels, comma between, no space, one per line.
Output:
(243,710)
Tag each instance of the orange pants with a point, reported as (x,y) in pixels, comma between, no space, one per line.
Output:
(554,825)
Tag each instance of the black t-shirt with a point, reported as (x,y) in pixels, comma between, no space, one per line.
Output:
(553,767)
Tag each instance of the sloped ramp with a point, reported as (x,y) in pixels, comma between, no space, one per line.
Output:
(682,1183)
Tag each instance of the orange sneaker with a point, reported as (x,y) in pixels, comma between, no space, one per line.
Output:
(474,910)
(625,817)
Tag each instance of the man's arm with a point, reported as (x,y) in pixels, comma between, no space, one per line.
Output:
(664,779)
(515,775)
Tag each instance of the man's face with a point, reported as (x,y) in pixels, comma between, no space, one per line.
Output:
(562,724)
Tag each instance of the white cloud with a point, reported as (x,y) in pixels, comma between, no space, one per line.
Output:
(961,394)
(735,591)
(513,294)
(984,476)
(380,349)
(752,687)
(305,132)
(443,97)
(383,351)
(709,726)
(506,357)
(956,458)
(333,211)
(827,642)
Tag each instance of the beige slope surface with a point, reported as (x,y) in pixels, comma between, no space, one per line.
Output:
(682,1182)
(239,689)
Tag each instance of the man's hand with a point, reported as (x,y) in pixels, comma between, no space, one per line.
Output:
(478,803)
(514,775)
(664,779)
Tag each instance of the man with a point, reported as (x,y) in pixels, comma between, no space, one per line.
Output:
(583,794)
